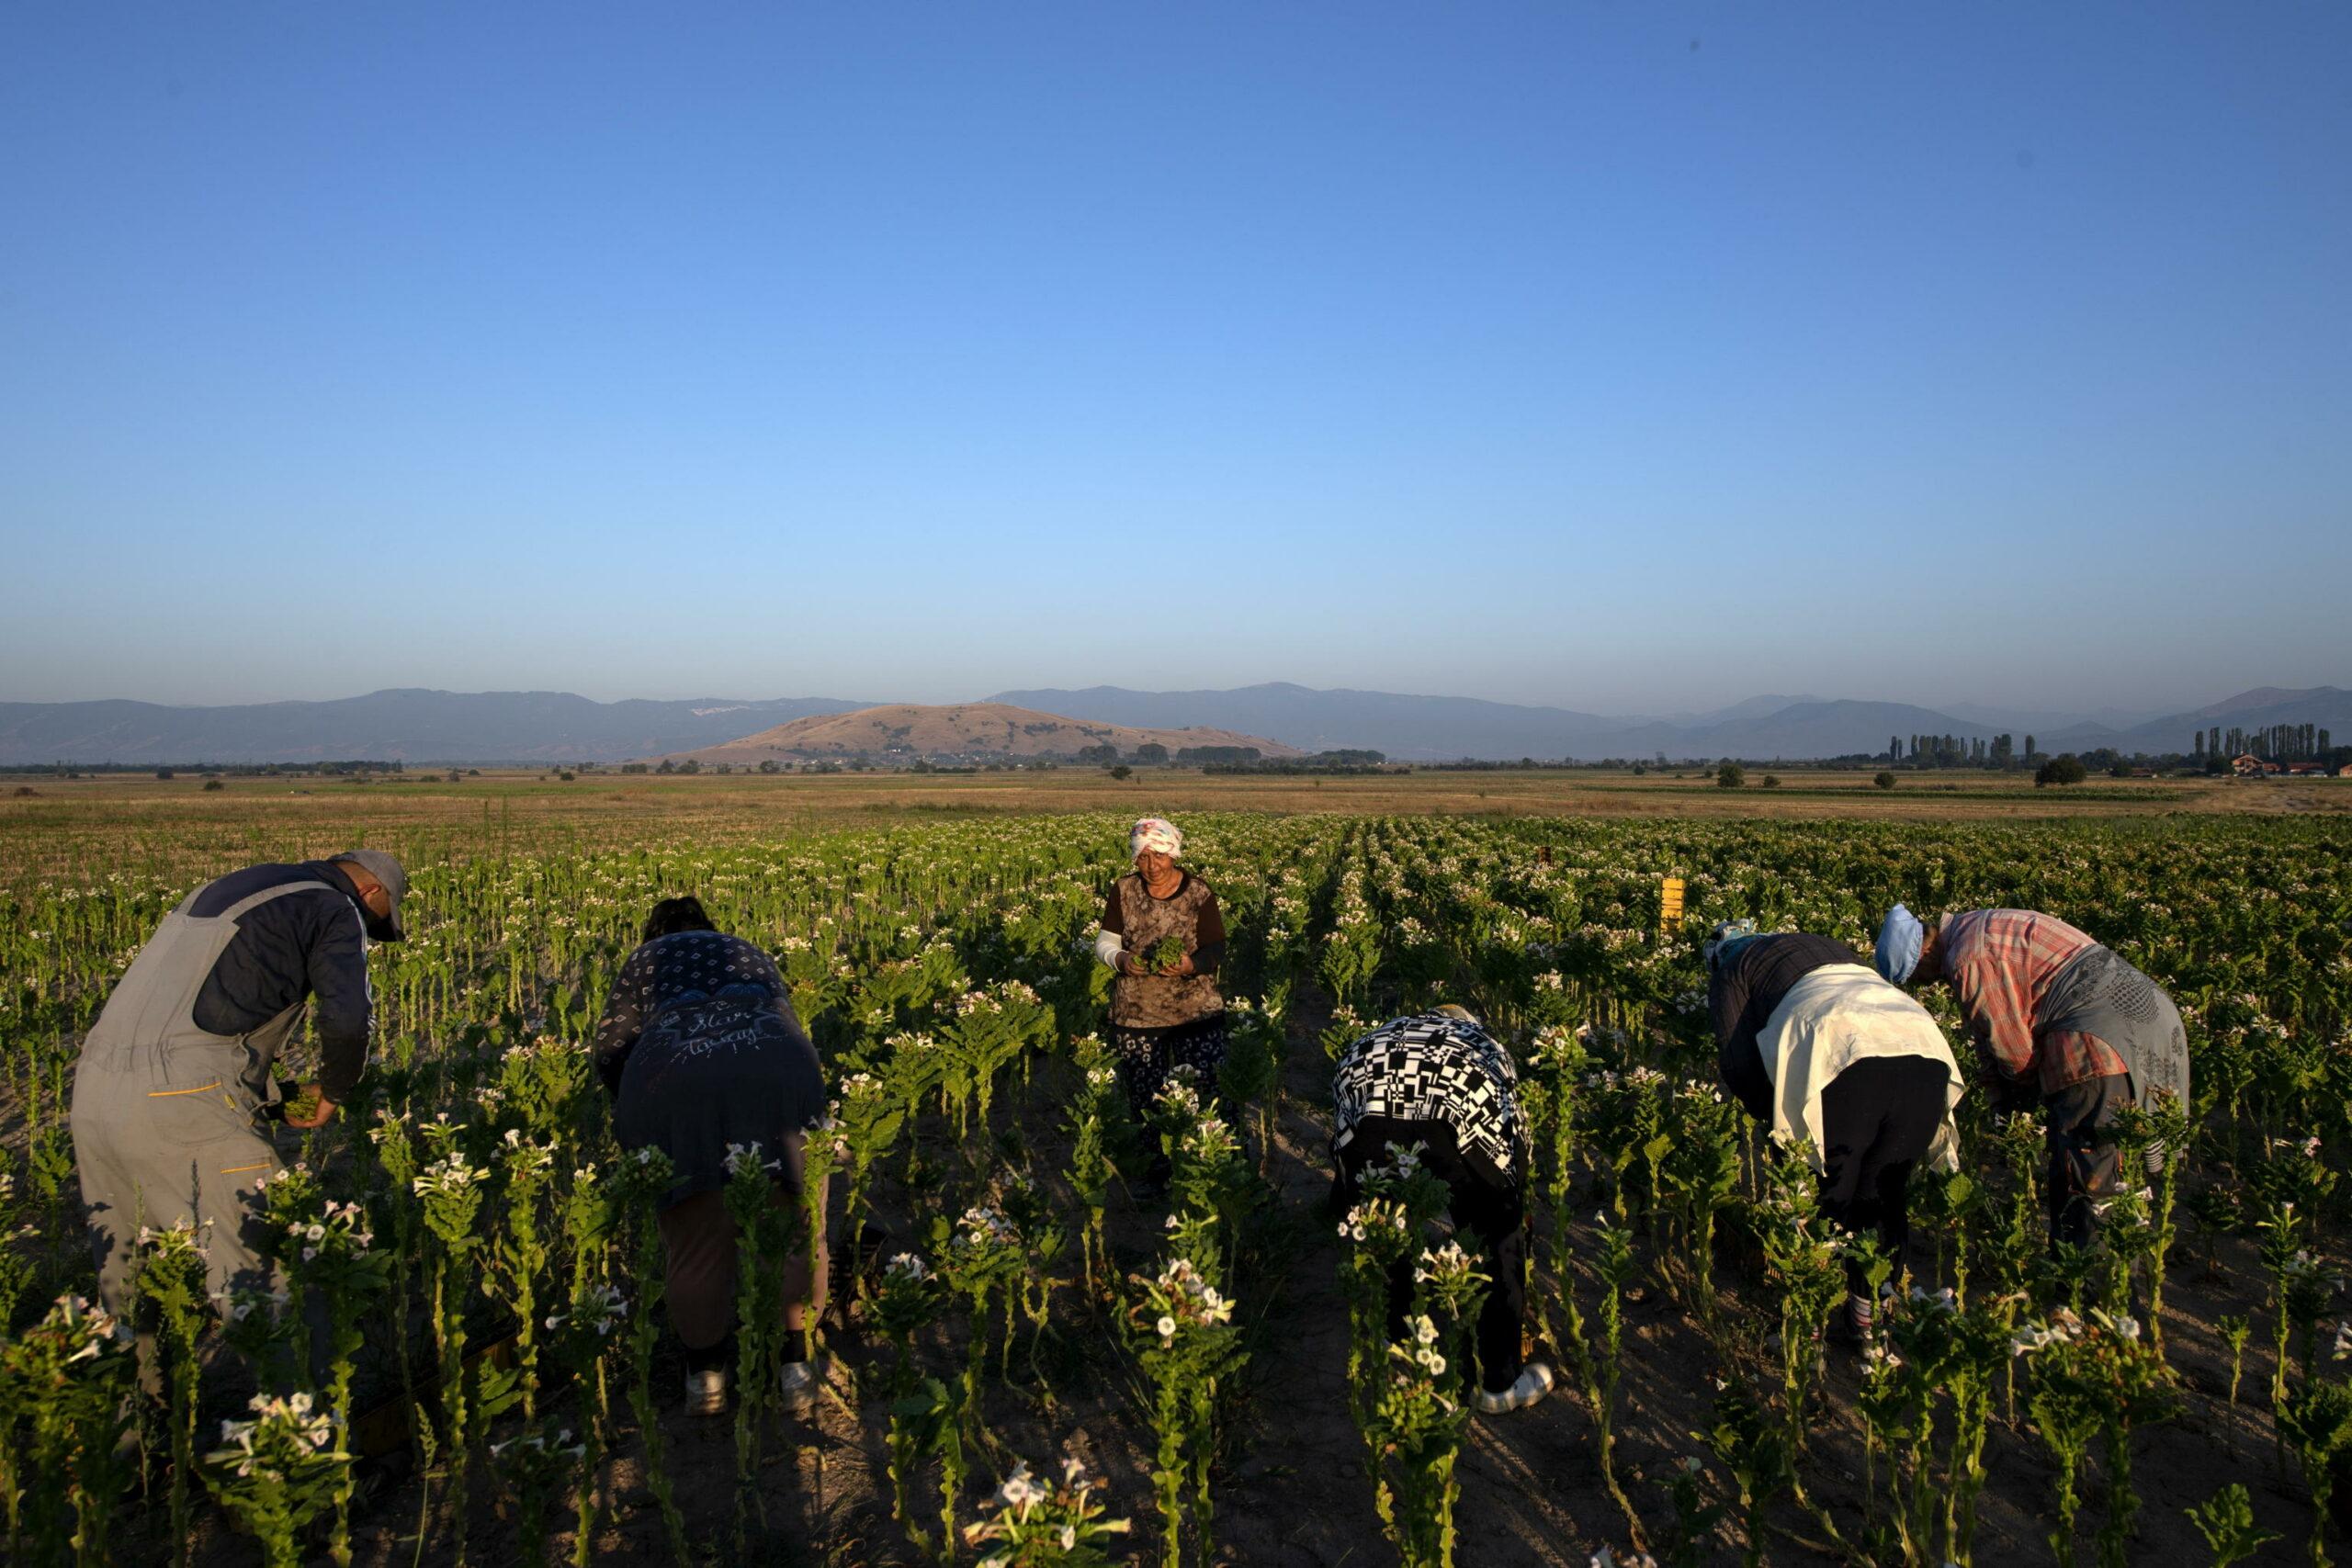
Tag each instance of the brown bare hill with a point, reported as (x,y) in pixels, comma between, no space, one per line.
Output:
(969,731)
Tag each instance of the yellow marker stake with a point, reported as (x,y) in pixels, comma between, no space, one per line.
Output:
(1669,903)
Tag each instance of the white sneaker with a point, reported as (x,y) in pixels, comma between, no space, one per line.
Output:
(797,1383)
(1534,1382)
(706,1392)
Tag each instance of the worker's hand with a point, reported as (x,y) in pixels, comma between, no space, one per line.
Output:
(319,1112)
(1184,965)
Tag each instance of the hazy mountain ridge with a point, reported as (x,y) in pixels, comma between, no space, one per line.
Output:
(416,724)
(1420,729)
(403,725)
(1442,728)
(2329,708)
(935,731)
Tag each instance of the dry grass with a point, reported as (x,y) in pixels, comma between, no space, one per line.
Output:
(66,824)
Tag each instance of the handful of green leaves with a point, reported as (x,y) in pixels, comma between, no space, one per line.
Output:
(1163,956)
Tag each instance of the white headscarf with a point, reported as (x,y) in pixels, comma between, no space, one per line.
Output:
(1155,833)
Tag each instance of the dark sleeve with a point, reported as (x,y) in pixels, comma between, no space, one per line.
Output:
(1727,999)
(1744,995)
(337,970)
(1112,920)
(1741,1066)
(624,1018)
(1738,1062)
(1208,935)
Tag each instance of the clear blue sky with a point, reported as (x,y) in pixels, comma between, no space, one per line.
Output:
(1629,357)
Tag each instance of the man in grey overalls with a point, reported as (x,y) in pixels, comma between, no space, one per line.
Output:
(176,1072)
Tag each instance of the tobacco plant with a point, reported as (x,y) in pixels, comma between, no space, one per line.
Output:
(64,1388)
(1181,1329)
(1045,1524)
(277,1473)
(171,1280)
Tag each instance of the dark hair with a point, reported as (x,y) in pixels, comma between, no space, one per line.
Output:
(674,915)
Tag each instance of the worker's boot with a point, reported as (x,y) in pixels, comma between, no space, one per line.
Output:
(706,1391)
(1534,1382)
(797,1384)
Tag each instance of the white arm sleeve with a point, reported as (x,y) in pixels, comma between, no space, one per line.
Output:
(1108,945)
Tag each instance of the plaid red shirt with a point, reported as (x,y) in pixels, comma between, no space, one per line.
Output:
(1998,964)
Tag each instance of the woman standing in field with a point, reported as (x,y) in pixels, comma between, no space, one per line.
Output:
(702,1051)
(1163,938)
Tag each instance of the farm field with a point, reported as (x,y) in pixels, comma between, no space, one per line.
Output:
(48,823)
(936,935)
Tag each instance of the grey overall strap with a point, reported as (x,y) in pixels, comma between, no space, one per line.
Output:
(154,1004)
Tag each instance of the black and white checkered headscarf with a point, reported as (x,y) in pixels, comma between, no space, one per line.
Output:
(1431,1068)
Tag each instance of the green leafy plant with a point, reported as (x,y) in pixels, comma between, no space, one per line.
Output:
(1181,1330)
(65,1383)
(171,1278)
(277,1473)
(641,1181)
(2226,1521)
(1042,1524)
(328,1248)
(452,1189)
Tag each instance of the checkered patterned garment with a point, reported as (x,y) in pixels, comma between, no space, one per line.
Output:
(1431,1068)
(1999,963)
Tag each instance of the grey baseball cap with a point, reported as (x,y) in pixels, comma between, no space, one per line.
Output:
(386,870)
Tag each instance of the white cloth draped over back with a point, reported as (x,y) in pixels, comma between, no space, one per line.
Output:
(1834,1017)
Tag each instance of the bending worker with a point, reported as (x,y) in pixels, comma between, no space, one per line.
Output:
(1815,1045)
(2056,1016)
(1441,1081)
(177,1067)
(703,1055)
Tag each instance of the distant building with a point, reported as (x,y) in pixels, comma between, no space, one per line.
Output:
(2308,770)
(2249,766)
(2345,771)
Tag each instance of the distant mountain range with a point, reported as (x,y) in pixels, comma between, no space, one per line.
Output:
(962,732)
(420,727)
(1761,728)
(403,725)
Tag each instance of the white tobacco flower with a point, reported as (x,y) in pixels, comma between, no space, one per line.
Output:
(1020,1492)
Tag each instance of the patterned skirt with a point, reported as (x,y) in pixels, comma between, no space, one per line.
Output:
(1147,1056)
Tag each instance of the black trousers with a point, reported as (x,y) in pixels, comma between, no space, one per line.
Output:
(1878,1118)
(1486,1203)
(2083,1159)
